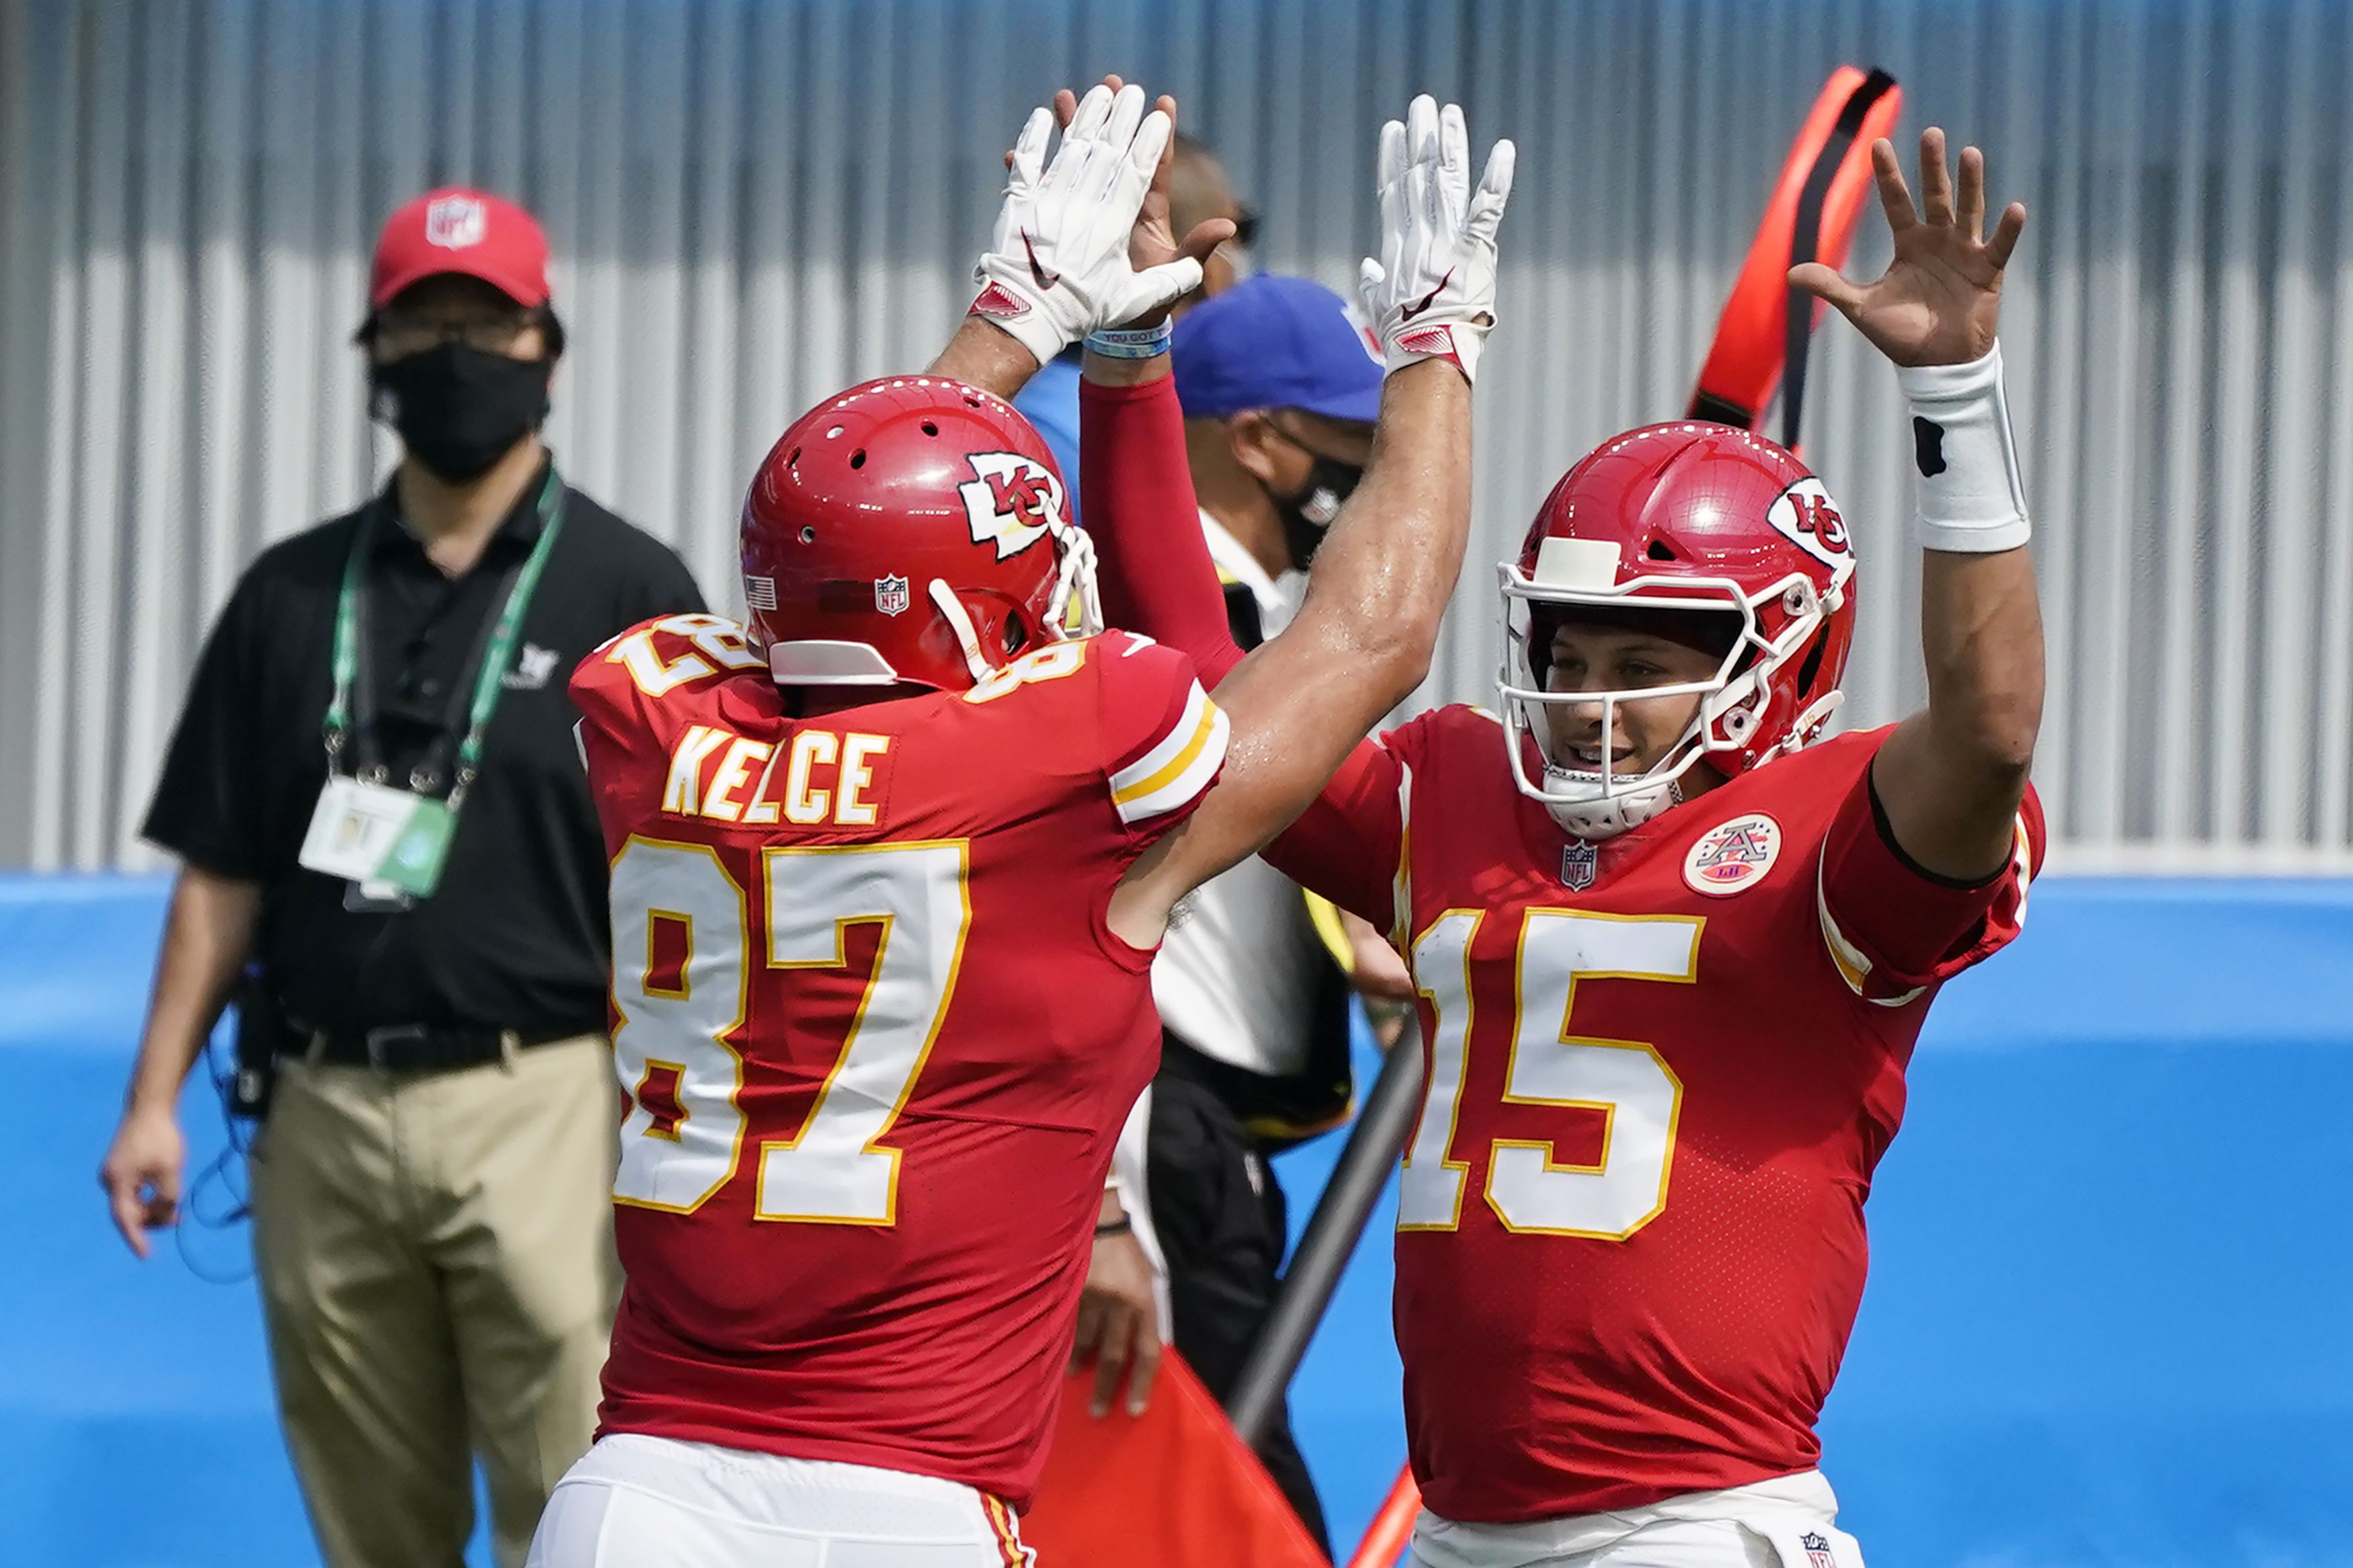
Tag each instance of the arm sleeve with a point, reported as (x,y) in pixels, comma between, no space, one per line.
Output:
(1894,929)
(1164,739)
(210,798)
(1154,566)
(1349,846)
(1158,579)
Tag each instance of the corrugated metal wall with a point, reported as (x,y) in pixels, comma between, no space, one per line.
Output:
(757,201)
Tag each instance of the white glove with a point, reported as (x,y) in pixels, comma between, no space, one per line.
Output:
(1058,266)
(1432,295)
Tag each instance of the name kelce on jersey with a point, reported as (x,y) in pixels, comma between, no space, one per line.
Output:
(824,778)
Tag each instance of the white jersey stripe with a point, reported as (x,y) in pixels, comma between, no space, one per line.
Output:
(1186,775)
(1181,734)
(1401,933)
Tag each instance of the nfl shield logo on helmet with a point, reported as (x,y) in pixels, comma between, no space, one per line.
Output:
(1012,501)
(1580,861)
(1818,1551)
(454,223)
(1734,855)
(890,595)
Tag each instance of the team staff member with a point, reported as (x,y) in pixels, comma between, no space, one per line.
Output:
(1280,390)
(380,811)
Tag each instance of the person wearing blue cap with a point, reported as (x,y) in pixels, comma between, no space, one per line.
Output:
(1279,388)
(1198,191)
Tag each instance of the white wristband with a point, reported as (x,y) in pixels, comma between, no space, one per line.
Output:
(1970,497)
(1130,342)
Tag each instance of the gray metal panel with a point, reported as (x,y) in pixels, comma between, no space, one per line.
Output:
(755,202)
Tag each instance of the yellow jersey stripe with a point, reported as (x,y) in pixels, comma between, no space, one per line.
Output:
(1187,786)
(1185,758)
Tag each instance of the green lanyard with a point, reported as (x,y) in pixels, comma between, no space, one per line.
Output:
(497,658)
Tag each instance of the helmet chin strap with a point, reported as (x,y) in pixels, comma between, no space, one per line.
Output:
(1607,815)
(1076,574)
(951,610)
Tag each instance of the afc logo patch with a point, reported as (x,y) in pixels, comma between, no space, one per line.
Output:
(1013,501)
(1580,862)
(890,595)
(1734,855)
(456,223)
(1805,516)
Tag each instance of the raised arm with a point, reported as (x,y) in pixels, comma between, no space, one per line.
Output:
(1951,778)
(1362,640)
(1059,261)
(1152,560)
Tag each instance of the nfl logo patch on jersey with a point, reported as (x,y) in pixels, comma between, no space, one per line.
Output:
(1734,855)
(890,595)
(1818,1551)
(1578,863)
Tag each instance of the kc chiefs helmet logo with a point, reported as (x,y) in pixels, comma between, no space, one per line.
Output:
(1806,515)
(1013,500)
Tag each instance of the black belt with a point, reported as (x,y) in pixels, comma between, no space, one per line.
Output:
(417,1047)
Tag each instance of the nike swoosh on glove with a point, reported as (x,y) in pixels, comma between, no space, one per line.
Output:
(1057,267)
(1430,294)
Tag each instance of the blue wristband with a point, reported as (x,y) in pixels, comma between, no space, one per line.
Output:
(1130,342)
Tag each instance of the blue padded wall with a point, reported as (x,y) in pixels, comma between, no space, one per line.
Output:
(2106,1323)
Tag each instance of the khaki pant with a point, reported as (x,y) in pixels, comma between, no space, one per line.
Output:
(436,1260)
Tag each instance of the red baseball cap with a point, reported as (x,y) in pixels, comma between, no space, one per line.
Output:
(464,231)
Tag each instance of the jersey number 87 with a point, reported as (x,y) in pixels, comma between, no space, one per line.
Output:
(683,1137)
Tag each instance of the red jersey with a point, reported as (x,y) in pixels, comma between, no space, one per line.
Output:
(876,1035)
(1660,1071)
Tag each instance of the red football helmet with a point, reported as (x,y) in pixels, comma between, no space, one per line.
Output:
(912,529)
(1683,517)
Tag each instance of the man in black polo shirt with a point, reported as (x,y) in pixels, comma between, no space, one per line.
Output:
(376,799)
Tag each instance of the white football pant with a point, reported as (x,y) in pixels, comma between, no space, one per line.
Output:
(635,1501)
(1789,1522)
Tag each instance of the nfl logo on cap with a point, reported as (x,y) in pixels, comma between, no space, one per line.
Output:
(891,594)
(454,223)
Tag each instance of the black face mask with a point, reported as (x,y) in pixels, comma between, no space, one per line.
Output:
(1308,515)
(458,409)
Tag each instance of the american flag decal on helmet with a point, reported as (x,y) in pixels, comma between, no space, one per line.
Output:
(759,593)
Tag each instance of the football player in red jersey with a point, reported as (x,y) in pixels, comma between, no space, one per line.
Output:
(1674,948)
(887,867)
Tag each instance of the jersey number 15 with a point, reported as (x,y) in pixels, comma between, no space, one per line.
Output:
(1627,1081)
